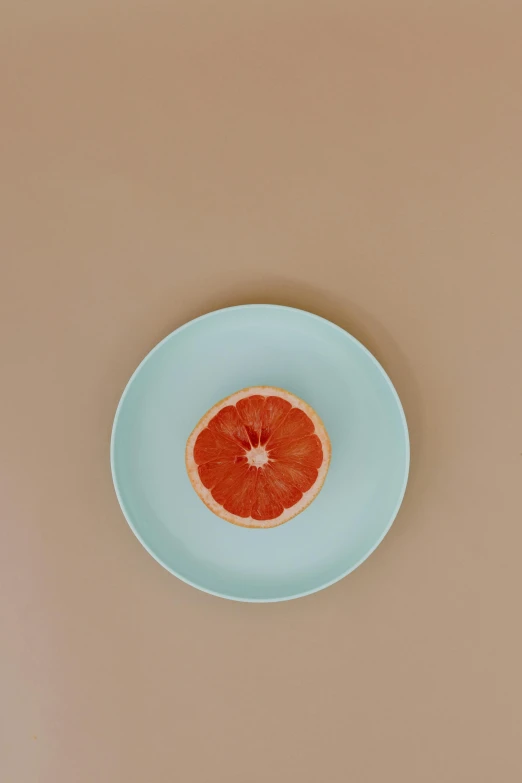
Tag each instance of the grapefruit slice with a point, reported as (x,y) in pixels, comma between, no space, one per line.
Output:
(259,457)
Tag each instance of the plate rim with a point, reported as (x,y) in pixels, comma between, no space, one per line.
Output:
(128,516)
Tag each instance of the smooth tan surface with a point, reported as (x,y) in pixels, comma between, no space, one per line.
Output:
(358,159)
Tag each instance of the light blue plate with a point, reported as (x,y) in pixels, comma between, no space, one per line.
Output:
(205,361)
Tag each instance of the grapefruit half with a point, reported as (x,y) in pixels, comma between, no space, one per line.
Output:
(259,457)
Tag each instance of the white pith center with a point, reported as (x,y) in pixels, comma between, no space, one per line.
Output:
(257,456)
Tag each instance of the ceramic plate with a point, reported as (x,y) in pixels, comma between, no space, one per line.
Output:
(206,360)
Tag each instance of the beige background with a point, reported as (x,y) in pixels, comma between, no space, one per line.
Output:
(360,159)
